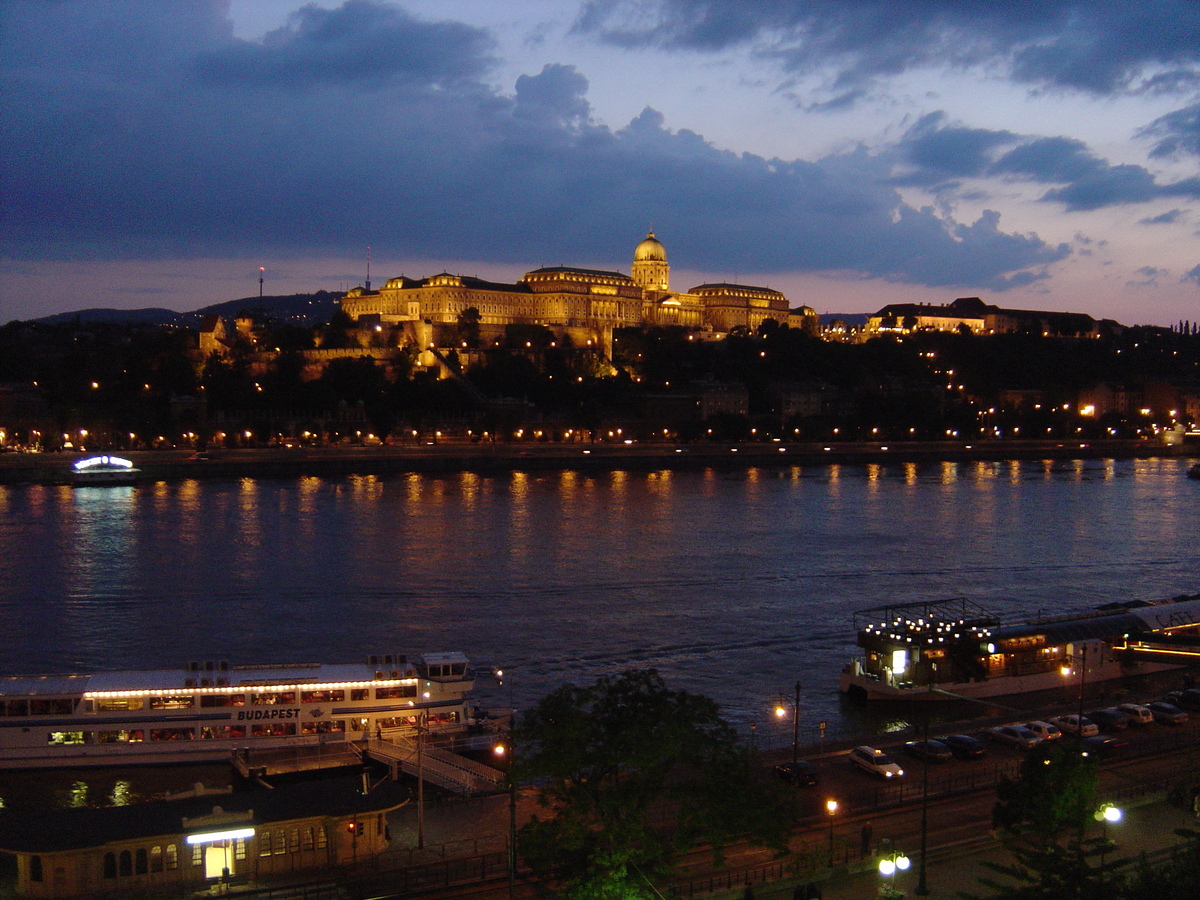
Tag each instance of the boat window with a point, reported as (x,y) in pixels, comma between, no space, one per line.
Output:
(108,704)
(176,701)
(52,706)
(396,692)
(458,669)
(69,737)
(273,698)
(222,699)
(273,729)
(360,693)
(322,696)
(222,732)
(172,734)
(119,737)
(328,726)
(18,707)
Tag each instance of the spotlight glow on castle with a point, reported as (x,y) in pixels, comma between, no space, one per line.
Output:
(582,305)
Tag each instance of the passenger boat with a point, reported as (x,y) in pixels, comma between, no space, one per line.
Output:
(206,711)
(954,649)
(104,470)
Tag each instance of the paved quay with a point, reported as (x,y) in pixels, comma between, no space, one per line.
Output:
(282,462)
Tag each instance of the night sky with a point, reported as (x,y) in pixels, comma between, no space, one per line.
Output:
(852,153)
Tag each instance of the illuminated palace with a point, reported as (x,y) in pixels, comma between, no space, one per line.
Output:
(582,304)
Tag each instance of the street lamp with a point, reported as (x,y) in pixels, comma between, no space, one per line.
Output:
(890,865)
(1105,814)
(831,807)
(781,711)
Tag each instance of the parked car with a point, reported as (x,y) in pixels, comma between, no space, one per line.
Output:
(1044,730)
(800,772)
(1110,719)
(1167,713)
(876,762)
(964,746)
(1189,699)
(931,751)
(1077,725)
(1103,746)
(1015,736)
(1136,713)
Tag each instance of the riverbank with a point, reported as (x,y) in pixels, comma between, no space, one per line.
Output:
(281,462)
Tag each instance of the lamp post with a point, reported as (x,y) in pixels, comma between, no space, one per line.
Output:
(922,888)
(831,806)
(781,711)
(890,865)
(1105,814)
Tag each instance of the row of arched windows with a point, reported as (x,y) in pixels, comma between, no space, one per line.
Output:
(141,861)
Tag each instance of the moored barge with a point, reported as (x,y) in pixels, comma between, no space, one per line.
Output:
(955,649)
(205,712)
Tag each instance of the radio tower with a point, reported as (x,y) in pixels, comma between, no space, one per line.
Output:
(260,281)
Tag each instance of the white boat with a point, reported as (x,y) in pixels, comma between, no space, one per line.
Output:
(206,711)
(104,470)
(954,649)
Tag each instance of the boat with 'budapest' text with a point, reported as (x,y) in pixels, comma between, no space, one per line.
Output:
(955,649)
(207,710)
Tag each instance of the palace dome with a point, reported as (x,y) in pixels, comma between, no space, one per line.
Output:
(650,250)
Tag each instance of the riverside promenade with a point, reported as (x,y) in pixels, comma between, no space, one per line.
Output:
(494,458)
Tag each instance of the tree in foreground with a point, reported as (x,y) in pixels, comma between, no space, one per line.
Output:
(1042,817)
(632,774)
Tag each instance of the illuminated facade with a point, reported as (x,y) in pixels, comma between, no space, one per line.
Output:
(186,846)
(584,305)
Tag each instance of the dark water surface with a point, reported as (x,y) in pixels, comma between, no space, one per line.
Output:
(734,585)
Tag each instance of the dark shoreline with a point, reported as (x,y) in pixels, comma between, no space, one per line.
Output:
(171,465)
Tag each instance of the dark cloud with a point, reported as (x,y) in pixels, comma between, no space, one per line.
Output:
(1192,275)
(934,150)
(361,41)
(1170,217)
(557,94)
(1099,46)
(1177,132)
(321,139)
(939,150)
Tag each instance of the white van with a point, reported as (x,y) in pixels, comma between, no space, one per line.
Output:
(1136,713)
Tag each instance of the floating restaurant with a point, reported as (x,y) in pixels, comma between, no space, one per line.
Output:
(955,649)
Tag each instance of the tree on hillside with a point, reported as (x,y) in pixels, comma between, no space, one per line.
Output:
(633,773)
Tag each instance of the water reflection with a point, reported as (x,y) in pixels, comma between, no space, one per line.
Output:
(730,583)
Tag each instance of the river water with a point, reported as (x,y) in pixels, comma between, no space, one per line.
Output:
(732,584)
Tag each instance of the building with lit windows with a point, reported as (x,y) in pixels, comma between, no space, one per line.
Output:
(580,305)
(198,842)
(971,314)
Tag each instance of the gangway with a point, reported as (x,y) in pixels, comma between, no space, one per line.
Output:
(440,767)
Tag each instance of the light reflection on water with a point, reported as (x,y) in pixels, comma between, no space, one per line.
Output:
(733,585)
